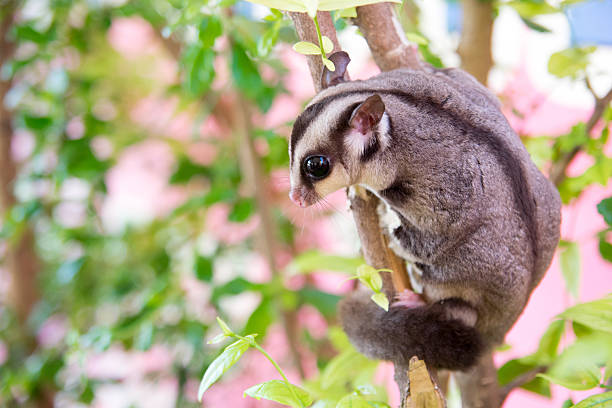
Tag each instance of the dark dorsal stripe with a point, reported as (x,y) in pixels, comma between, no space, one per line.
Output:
(303,121)
(511,165)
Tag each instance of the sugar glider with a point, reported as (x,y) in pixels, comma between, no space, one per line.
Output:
(471,213)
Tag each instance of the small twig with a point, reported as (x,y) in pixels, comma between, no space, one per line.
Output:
(587,82)
(520,381)
(558,170)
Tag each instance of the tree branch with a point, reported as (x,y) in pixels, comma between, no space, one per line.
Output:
(387,41)
(20,258)
(558,169)
(475,44)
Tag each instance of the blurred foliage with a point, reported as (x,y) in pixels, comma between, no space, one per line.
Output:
(72,95)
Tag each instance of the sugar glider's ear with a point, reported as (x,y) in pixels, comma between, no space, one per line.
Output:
(363,139)
(367,115)
(328,78)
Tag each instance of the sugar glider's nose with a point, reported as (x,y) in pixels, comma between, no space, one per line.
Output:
(296,197)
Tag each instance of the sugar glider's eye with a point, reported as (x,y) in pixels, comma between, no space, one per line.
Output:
(316,167)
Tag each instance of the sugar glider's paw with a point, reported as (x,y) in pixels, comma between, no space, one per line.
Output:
(407,298)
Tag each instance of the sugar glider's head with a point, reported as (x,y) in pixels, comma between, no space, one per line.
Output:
(335,138)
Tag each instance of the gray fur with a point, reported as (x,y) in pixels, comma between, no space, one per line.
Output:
(478,219)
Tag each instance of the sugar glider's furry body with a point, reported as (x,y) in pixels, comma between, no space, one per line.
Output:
(473,215)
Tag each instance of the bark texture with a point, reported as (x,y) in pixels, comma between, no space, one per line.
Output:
(385,37)
(476,35)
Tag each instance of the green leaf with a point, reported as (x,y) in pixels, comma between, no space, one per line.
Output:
(328,64)
(596,401)
(28,33)
(365,272)
(310,6)
(570,266)
(580,381)
(217,339)
(242,210)
(528,9)
(350,12)
(210,29)
(186,169)
(226,330)
(567,404)
(576,137)
(269,38)
(199,69)
(328,45)
(605,248)
(535,26)
(247,79)
(381,300)
(261,318)
(545,354)
(416,38)
(596,314)
(328,5)
(580,330)
(306,48)
(233,287)
(315,260)
(605,209)
(145,336)
(514,368)
(370,277)
(279,391)
(342,368)
(68,270)
(549,343)
(577,367)
(244,71)
(204,268)
(326,303)
(353,401)
(288,5)
(569,62)
(221,364)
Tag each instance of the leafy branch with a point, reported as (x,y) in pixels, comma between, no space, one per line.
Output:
(283,392)
(311,7)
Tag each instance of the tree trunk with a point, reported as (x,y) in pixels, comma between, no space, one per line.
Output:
(20,260)
(20,257)
(476,35)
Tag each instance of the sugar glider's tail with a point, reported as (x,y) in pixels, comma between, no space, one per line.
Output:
(440,333)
